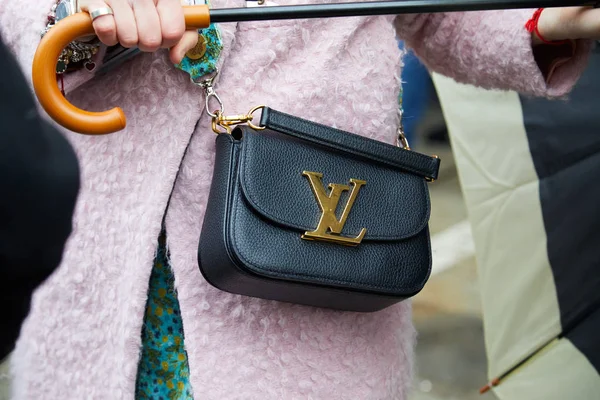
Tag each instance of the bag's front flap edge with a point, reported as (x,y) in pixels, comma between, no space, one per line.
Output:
(237,257)
(245,172)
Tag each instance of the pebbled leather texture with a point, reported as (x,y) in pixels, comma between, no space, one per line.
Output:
(223,270)
(417,163)
(260,204)
(391,205)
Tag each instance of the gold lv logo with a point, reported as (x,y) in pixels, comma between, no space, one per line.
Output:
(329,227)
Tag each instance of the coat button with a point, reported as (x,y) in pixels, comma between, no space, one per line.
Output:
(199,50)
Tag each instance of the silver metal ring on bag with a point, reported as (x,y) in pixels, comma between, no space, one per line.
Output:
(99,12)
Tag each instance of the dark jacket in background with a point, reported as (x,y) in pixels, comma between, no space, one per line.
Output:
(39,181)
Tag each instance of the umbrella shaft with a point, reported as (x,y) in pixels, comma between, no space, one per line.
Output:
(378,8)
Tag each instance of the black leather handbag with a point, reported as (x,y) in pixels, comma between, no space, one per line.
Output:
(304,213)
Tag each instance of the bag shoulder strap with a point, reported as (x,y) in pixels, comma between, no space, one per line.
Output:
(407,160)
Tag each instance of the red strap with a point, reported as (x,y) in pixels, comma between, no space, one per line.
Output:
(532,26)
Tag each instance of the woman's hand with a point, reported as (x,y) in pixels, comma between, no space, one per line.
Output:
(569,23)
(147,24)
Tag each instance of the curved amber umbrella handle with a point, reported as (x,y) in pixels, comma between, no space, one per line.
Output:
(44,74)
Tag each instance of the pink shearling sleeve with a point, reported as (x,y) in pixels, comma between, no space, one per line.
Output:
(490,49)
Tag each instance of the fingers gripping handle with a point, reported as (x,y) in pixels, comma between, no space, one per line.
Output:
(44,74)
(46,87)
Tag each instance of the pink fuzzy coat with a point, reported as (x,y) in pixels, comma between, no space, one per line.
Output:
(82,338)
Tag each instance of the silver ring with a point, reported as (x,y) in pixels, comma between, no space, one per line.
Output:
(99,12)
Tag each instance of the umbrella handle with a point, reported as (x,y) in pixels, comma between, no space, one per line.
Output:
(44,74)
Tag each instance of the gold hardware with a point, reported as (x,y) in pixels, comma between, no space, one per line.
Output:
(250,113)
(218,127)
(329,227)
(401,140)
(222,123)
(429,180)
